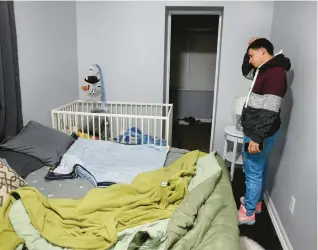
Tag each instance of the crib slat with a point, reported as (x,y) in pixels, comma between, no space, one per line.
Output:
(111,129)
(117,127)
(155,131)
(69,119)
(125,124)
(59,121)
(142,130)
(136,125)
(122,119)
(160,133)
(129,127)
(76,122)
(64,123)
(122,125)
(87,125)
(99,130)
(148,123)
(82,124)
(93,126)
(105,132)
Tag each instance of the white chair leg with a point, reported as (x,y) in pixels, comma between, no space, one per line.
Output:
(225,149)
(233,159)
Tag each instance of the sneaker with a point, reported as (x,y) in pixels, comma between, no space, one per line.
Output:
(258,205)
(243,218)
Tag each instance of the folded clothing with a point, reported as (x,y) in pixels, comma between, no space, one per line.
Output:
(51,176)
(76,171)
(135,136)
(67,165)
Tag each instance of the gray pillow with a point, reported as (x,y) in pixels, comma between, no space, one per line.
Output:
(44,143)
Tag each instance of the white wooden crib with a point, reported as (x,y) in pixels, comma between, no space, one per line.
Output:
(124,122)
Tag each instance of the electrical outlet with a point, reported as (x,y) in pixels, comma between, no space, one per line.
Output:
(292,204)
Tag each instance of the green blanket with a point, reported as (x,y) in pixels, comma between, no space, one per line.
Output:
(94,221)
(23,227)
(153,236)
(207,218)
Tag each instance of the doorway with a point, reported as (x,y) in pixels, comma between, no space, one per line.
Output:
(192,65)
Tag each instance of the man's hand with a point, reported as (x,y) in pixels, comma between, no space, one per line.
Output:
(253,147)
(252,40)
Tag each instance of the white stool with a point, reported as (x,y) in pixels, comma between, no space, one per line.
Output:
(232,134)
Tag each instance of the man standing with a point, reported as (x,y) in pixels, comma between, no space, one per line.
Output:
(260,119)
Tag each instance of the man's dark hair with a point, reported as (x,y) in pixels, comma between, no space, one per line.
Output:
(262,43)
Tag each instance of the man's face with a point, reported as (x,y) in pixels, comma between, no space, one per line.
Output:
(256,57)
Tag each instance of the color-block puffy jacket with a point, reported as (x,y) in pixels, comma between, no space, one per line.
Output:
(261,112)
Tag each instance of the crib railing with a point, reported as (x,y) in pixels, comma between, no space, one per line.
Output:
(123,122)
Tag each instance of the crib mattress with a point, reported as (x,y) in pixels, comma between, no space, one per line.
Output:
(77,188)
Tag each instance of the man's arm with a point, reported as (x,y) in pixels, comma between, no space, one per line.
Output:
(274,90)
(248,70)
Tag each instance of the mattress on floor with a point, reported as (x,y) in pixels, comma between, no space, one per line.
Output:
(77,188)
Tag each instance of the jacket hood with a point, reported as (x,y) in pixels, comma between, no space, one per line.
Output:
(279,60)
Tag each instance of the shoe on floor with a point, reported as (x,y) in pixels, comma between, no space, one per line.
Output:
(243,218)
(258,206)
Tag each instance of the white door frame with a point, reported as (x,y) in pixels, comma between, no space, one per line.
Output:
(193,11)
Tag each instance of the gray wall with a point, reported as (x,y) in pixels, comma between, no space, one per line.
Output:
(293,168)
(197,104)
(127,40)
(46,33)
(193,60)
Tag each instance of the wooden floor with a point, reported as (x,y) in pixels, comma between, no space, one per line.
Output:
(192,137)
(197,136)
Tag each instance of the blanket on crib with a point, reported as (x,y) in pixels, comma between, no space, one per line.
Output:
(94,221)
(102,162)
(135,136)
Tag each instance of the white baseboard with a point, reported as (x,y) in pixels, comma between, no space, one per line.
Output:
(281,233)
